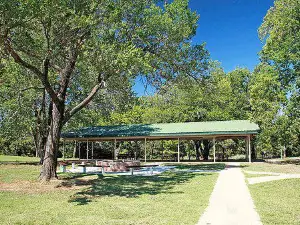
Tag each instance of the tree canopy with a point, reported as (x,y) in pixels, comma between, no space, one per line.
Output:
(68,64)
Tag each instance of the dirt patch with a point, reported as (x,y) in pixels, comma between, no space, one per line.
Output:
(53,185)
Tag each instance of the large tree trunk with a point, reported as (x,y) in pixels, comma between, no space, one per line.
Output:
(205,150)
(197,149)
(40,131)
(48,170)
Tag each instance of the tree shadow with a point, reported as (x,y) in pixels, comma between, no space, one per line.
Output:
(236,166)
(208,166)
(132,186)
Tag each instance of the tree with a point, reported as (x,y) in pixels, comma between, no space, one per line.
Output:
(63,43)
(239,82)
(266,98)
(281,32)
(23,109)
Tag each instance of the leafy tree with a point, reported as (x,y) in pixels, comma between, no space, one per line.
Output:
(239,82)
(266,98)
(281,32)
(65,44)
(23,110)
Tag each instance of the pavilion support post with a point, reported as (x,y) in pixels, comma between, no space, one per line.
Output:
(115,150)
(135,149)
(145,149)
(75,149)
(92,150)
(64,149)
(79,145)
(178,149)
(214,148)
(249,148)
(87,149)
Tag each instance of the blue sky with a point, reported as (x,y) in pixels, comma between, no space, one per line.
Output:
(229,29)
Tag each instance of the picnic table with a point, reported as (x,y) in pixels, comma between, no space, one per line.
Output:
(63,166)
(85,165)
(141,166)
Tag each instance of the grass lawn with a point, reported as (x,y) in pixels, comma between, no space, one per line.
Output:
(269,167)
(25,159)
(248,175)
(277,202)
(168,198)
(10,158)
(198,166)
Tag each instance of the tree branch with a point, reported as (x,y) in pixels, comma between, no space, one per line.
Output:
(86,101)
(43,77)
(70,65)
(67,72)
(32,87)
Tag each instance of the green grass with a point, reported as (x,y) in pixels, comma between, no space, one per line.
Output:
(15,173)
(199,166)
(25,159)
(168,198)
(10,158)
(269,167)
(277,202)
(249,175)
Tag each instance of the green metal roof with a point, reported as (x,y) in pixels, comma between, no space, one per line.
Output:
(233,127)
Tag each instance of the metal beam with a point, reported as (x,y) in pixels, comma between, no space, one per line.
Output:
(115,150)
(249,147)
(74,150)
(178,148)
(145,149)
(182,137)
(214,148)
(87,149)
(79,143)
(92,150)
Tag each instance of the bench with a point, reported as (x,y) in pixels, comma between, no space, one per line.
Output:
(144,166)
(83,167)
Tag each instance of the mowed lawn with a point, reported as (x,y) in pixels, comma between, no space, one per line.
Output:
(169,198)
(10,158)
(277,202)
(271,167)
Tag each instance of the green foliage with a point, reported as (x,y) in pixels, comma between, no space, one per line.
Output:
(266,99)
(281,31)
(19,98)
(69,48)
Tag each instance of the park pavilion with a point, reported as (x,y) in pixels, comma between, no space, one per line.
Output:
(212,130)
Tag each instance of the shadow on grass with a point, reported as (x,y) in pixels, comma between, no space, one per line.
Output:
(132,186)
(210,166)
(237,166)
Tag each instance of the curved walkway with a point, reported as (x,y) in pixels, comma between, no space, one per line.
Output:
(267,178)
(230,202)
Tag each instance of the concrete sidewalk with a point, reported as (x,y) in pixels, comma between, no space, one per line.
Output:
(230,202)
